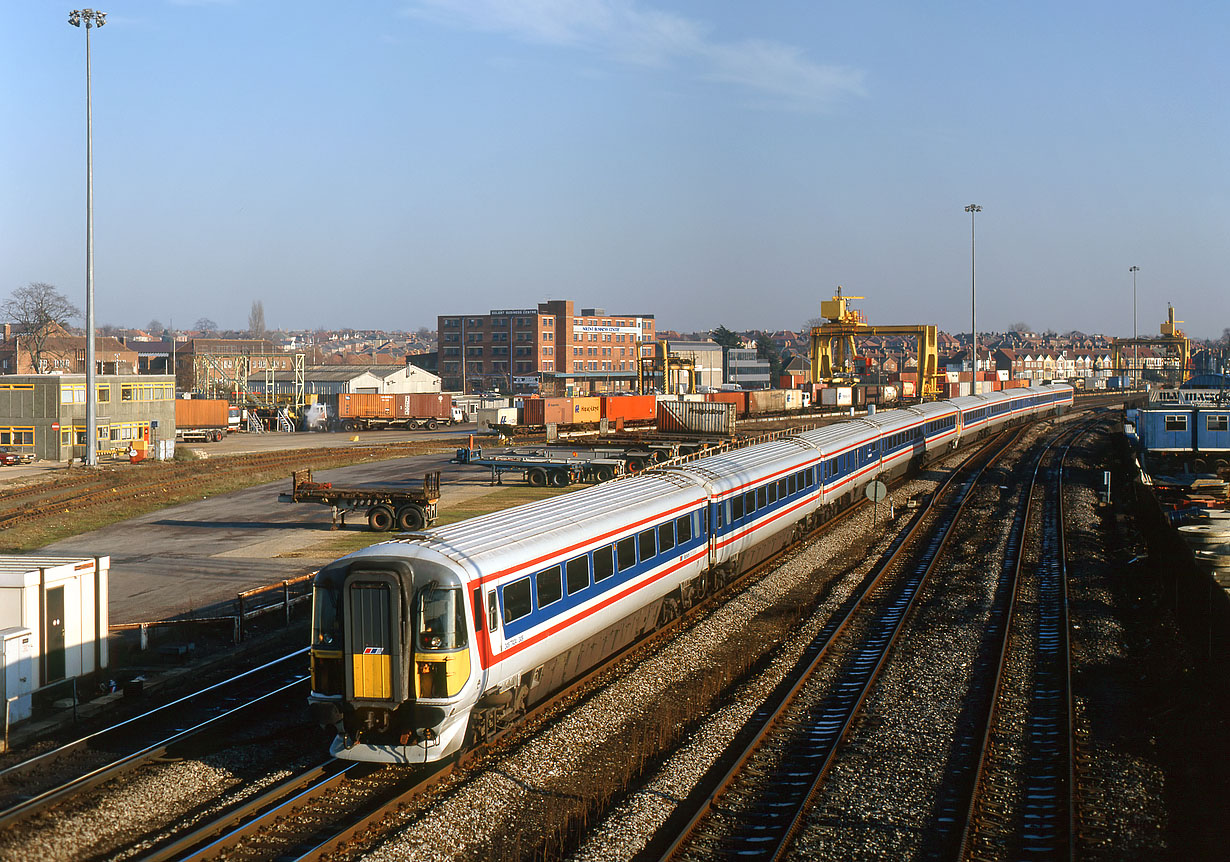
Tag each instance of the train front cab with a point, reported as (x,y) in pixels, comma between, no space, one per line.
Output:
(390,656)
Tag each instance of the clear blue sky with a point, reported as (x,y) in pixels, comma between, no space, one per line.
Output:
(375,164)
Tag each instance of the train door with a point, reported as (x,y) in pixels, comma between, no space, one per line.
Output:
(373,612)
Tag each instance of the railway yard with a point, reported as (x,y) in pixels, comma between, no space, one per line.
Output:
(993,662)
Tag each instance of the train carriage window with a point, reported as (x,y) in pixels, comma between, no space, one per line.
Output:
(493,608)
(762,498)
(771,496)
(793,483)
(666,536)
(577,574)
(517,600)
(683,525)
(648,542)
(1215,422)
(604,564)
(737,506)
(781,488)
(625,553)
(550,586)
(1176,423)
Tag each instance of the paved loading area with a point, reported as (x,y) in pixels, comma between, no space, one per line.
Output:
(195,555)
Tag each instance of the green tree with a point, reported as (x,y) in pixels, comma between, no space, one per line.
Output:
(726,338)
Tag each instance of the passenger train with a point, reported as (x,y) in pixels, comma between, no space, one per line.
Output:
(433,641)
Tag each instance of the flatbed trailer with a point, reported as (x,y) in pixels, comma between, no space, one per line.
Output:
(403,509)
(541,468)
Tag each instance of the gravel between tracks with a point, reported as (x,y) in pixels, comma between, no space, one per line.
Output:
(461,823)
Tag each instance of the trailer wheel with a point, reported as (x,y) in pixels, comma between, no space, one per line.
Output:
(605,474)
(410,519)
(559,479)
(432,424)
(636,465)
(380,519)
(348,426)
(218,435)
(537,477)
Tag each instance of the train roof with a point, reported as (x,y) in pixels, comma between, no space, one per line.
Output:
(733,469)
(533,532)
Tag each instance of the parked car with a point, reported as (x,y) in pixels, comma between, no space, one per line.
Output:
(9,458)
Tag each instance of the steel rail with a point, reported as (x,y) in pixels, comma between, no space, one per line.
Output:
(279,801)
(680,827)
(69,747)
(44,800)
(1061,630)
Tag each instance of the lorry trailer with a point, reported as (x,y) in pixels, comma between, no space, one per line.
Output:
(204,420)
(404,509)
(539,467)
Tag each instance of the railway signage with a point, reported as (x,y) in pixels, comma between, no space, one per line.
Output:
(876,491)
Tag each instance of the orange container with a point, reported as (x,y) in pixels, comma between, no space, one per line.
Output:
(201,413)
(630,408)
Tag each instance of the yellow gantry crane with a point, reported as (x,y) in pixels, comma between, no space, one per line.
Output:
(665,366)
(833,348)
(1176,346)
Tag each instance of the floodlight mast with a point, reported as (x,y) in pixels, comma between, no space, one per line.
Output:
(973,320)
(90,18)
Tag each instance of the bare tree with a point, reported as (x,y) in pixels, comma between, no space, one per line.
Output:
(40,311)
(155,327)
(204,324)
(1019,327)
(256,320)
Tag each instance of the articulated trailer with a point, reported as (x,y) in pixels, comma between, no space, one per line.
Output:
(541,468)
(404,509)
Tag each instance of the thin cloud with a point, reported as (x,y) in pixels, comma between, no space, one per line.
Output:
(645,37)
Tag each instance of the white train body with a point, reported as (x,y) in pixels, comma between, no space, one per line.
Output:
(424,643)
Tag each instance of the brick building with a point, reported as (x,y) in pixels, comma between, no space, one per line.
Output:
(553,349)
(65,354)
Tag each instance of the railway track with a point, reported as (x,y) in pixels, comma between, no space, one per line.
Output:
(36,785)
(1023,799)
(784,753)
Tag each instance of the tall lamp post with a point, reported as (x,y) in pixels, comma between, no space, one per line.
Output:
(90,18)
(1135,357)
(973,319)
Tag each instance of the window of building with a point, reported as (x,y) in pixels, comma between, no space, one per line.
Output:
(1176,423)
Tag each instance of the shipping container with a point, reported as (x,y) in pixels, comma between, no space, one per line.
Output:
(696,417)
(766,401)
(201,419)
(547,411)
(629,408)
(908,388)
(837,396)
(424,406)
(487,418)
(586,410)
(739,399)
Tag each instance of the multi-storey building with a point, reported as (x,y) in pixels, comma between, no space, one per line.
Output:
(552,349)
